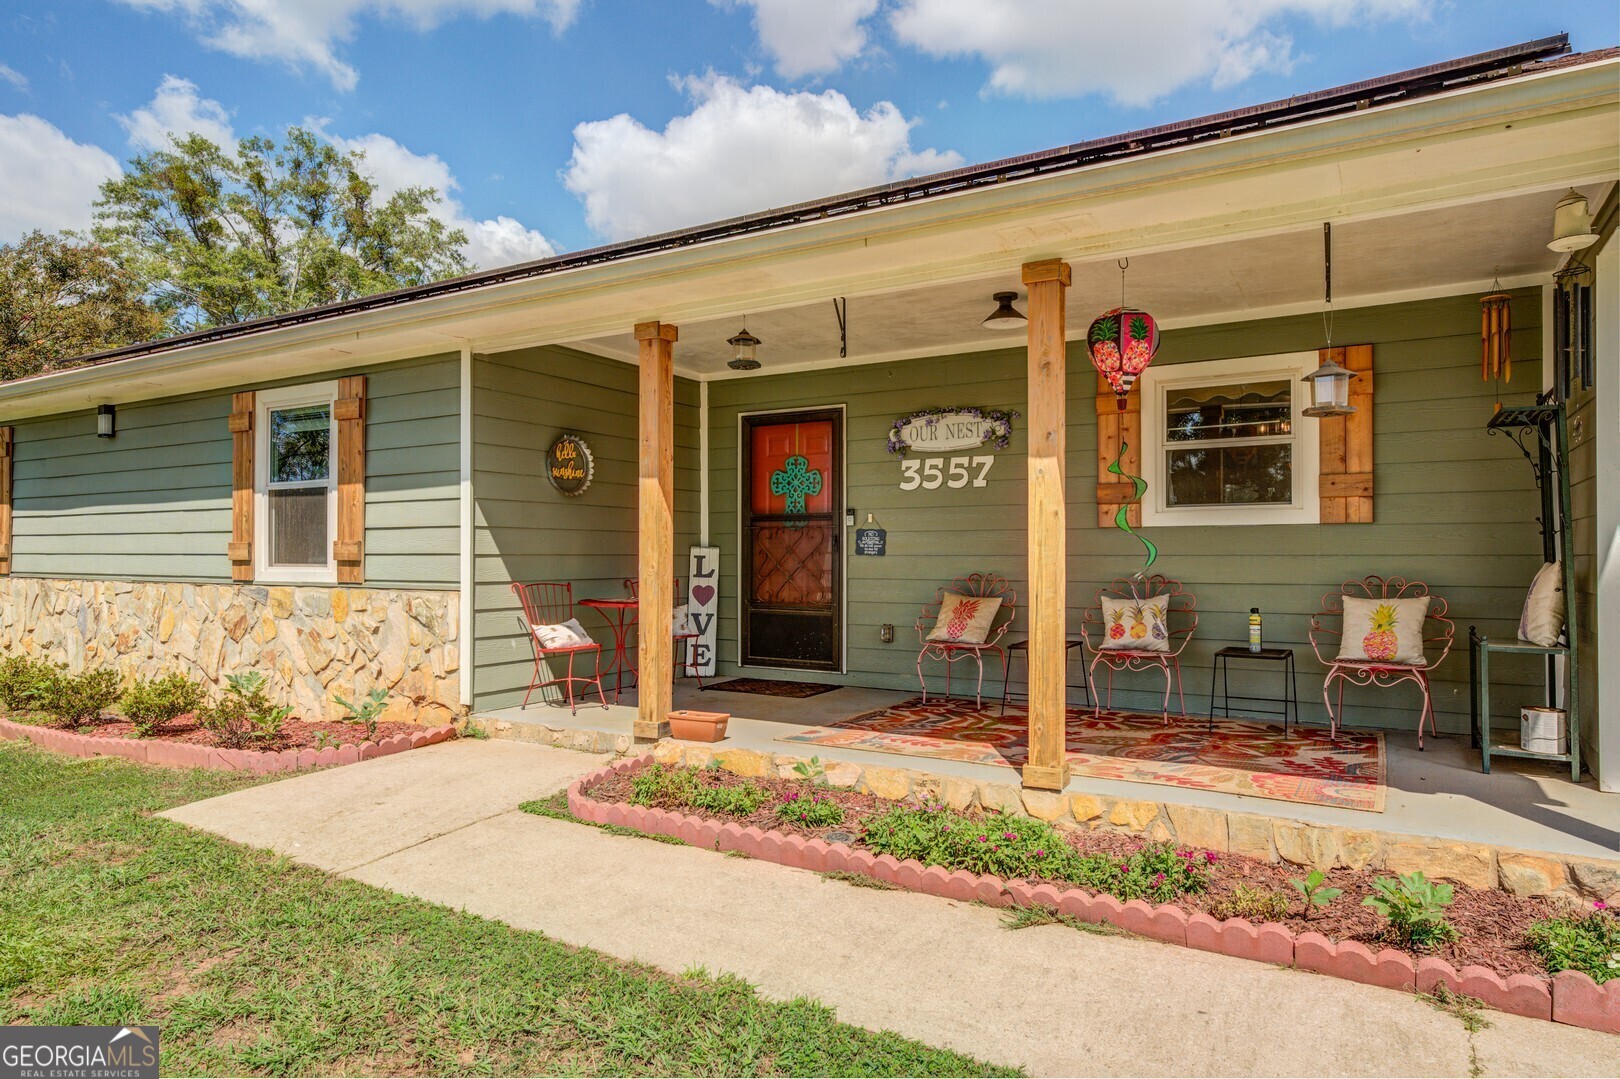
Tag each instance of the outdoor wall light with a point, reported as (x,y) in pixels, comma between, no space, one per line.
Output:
(1572,224)
(1005,316)
(742,351)
(106,421)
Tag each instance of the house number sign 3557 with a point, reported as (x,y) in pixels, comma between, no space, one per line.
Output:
(952,472)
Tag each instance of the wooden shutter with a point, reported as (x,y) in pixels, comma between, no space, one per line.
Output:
(1113,429)
(7,440)
(1347,445)
(241,545)
(349,547)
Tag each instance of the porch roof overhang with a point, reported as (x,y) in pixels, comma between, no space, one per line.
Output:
(1524,133)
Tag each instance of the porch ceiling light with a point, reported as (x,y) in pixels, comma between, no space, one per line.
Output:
(742,351)
(1005,316)
(1572,224)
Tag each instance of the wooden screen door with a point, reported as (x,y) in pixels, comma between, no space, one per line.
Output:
(793,508)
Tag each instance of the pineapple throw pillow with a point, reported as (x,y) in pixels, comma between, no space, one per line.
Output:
(1384,630)
(1134,625)
(964,619)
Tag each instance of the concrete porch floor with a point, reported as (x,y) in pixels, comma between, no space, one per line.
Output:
(1437,792)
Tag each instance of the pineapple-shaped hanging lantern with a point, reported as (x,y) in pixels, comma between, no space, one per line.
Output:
(1122,344)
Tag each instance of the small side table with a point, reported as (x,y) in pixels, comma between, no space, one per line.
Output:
(620,615)
(1289,700)
(1022,646)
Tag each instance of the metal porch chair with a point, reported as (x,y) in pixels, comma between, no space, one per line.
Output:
(1180,607)
(982,586)
(633,586)
(549,603)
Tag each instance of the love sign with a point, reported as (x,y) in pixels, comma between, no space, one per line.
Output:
(703,608)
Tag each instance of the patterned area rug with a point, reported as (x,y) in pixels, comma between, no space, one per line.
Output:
(767,688)
(1239,756)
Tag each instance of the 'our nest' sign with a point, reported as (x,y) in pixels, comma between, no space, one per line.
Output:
(946,430)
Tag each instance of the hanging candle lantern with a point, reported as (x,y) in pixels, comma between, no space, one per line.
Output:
(1122,343)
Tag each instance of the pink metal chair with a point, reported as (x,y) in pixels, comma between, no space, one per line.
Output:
(633,586)
(549,603)
(983,585)
(1327,631)
(1180,618)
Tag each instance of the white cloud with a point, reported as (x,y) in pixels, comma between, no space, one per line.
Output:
(307,33)
(498,241)
(16,78)
(739,150)
(178,110)
(48,179)
(809,37)
(1133,52)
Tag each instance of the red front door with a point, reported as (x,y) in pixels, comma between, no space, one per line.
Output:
(792,596)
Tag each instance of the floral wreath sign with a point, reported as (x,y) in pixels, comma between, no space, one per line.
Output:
(942,430)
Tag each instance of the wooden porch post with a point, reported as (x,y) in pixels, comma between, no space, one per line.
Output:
(1048,283)
(656,560)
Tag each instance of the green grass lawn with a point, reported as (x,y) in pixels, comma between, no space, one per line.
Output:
(253,965)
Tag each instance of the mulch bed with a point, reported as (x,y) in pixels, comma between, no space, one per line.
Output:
(1491,923)
(295,733)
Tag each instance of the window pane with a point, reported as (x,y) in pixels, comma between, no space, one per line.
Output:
(1233,410)
(300,443)
(1230,476)
(298,526)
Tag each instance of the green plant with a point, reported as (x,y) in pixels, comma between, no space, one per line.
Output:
(152,703)
(1589,943)
(683,788)
(810,810)
(860,880)
(23,682)
(1255,904)
(73,700)
(812,770)
(1314,890)
(367,711)
(244,716)
(1030,917)
(1415,908)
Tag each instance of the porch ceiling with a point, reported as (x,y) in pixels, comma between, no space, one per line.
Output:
(1456,248)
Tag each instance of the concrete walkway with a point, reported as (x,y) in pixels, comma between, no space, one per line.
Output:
(441,823)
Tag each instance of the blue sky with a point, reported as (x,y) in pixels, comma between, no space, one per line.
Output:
(558,124)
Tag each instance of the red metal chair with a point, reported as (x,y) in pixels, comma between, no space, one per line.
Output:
(633,586)
(1180,607)
(548,603)
(983,585)
(1327,630)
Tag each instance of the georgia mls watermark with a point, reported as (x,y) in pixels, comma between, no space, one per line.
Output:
(78,1052)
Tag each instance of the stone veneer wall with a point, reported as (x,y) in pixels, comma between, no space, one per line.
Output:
(313,642)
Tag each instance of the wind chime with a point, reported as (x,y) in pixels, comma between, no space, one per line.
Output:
(1122,343)
(1495,328)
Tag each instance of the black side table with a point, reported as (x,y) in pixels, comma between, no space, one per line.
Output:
(1069,645)
(1289,699)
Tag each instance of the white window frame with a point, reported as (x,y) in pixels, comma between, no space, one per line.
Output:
(1157,384)
(266,401)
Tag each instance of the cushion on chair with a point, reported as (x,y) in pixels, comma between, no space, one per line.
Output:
(569,634)
(1133,625)
(1543,619)
(680,622)
(1384,630)
(964,619)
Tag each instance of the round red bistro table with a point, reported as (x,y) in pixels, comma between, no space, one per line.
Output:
(620,615)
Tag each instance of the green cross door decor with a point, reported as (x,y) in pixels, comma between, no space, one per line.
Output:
(796,480)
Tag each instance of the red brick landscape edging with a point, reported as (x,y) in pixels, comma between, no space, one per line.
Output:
(190,755)
(1568,997)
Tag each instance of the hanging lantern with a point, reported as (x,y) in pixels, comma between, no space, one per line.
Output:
(1330,388)
(1122,343)
(742,351)
(1572,224)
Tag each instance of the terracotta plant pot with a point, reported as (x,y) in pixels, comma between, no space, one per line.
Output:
(690,726)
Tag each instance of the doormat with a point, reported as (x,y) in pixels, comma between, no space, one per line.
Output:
(1239,756)
(767,688)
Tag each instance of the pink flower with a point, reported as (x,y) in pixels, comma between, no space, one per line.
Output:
(1009,835)
(1210,857)
(1600,905)
(1158,879)
(1040,854)
(984,839)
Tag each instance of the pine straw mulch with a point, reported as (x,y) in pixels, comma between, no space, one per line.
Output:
(295,733)
(1491,923)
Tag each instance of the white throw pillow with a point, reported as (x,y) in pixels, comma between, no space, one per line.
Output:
(680,622)
(569,634)
(1384,630)
(1543,619)
(1131,625)
(965,619)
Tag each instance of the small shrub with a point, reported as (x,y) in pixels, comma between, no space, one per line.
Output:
(153,703)
(1314,891)
(24,681)
(367,711)
(244,716)
(1589,943)
(812,770)
(1415,908)
(73,700)
(1255,904)
(809,810)
(682,788)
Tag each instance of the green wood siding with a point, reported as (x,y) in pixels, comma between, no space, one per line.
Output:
(525,530)
(154,503)
(1453,506)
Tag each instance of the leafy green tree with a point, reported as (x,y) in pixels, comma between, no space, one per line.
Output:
(221,236)
(62,298)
